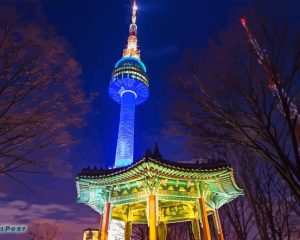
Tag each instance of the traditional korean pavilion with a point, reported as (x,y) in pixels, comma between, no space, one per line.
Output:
(156,192)
(151,190)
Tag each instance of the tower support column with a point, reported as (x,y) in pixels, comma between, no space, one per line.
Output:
(125,144)
(128,230)
(206,231)
(105,221)
(218,225)
(152,217)
(196,230)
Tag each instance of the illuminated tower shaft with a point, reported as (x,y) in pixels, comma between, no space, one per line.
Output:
(125,145)
(129,87)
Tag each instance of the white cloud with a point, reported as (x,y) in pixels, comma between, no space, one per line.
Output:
(2,195)
(21,212)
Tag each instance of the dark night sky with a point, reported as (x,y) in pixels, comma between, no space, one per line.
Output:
(97,32)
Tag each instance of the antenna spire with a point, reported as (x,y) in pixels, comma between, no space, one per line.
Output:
(131,49)
(134,9)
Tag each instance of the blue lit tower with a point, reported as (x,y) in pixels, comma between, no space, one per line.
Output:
(129,87)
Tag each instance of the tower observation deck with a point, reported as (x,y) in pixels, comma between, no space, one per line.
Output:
(129,87)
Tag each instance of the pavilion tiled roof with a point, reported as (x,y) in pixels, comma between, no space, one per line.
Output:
(131,183)
(205,167)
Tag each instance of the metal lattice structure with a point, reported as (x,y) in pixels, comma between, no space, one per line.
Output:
(274,82)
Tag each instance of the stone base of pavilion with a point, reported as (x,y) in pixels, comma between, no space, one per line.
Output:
(156,193)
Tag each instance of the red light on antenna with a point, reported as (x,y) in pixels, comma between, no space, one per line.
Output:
(243,21)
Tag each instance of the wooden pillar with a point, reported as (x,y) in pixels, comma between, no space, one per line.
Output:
(206,231)
(128,230)
(100,225)
(162,231)
(196,230)
(152,217)
(105,222)
(218,225)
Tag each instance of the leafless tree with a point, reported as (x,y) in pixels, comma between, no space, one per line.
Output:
(267,211)
(179,231)
(44,230)
(270,200)
(228,102)
(237,219)
(40,96)
(139,232)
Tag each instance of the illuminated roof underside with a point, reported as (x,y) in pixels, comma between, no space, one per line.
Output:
(177,188)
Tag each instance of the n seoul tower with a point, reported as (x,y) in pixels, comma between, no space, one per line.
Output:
(129,87)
